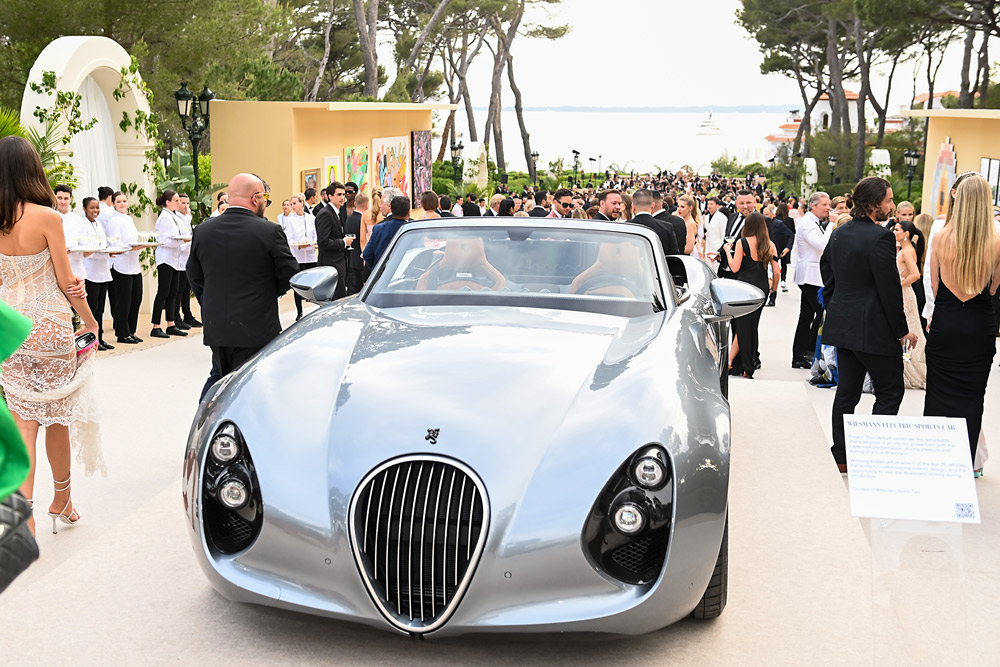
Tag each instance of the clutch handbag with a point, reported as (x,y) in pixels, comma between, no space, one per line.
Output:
(18,548)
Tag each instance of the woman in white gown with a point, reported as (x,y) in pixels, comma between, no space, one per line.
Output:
(907,260)
(45,382)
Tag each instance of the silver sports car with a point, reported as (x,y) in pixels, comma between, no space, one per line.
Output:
(517,426)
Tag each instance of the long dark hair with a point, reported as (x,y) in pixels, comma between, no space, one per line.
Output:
(506,207)
(756,227)
(916,238)
(22,180)
(869,193)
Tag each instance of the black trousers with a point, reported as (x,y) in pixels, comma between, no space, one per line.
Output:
(784,261)
(225,360)
(810,317)
(298,299)
(168,284)
(127,291)
(355,272)
(887,377)
(184,296)
(97,294)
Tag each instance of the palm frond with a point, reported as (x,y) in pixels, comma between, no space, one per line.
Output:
(10,123)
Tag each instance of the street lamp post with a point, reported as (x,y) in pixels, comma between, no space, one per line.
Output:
(771,162)
(593,174)
(534,165)
(194,119)
(911,158)
(456,162)
(832,161)
(576,166)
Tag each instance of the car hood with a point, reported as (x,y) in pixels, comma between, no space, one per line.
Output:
(377,384)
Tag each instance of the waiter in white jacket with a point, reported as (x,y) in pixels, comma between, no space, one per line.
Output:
(75,229)
(810,238)
(300,229)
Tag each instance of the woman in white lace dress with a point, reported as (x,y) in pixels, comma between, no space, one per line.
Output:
(45,383)
(907,260)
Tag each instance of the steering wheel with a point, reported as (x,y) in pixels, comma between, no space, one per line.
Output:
(599,280)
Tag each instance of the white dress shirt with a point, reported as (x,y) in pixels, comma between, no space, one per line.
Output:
(184,224)
(456,211)
(810,239)
(76,230)
(105,215)
(98,265)
(122,231)
(299,229)
(167,230)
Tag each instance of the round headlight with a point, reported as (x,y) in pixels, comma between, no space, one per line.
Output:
(628,519)
(649,472)
(225,448)
(233,494)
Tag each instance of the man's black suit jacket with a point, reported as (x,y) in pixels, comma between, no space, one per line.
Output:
(662,229)
(330,237)
(470,210)
(538,212)
(677,224)
(861,289)
(239,265)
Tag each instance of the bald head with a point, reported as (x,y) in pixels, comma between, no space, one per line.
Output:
(242,189)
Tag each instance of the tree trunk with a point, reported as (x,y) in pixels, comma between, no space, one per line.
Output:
(519,110)
(883,109)
(836,88)
(469,112)
(863,45)
(984,64)
(326,55)
(501,160)
(965,93)
(425,33)
(449,128)
(930,80)
(367,28)
(504,40)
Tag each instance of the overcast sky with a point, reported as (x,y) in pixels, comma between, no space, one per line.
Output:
(657,53)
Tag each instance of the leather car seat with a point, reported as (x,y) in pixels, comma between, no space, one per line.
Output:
(616,263)
(463,266)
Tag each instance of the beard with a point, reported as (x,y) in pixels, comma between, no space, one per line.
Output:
(261,207)
(881,216)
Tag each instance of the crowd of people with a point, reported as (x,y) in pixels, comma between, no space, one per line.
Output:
(887,297)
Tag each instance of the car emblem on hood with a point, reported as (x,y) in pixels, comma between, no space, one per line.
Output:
(432,435)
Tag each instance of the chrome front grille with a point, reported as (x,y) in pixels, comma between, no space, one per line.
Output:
(418,527)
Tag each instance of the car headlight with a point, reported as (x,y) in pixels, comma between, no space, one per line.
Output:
(224,447)
(649,472)
(233,494)
(629,519)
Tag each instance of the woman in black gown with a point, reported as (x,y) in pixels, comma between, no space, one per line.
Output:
(965,271)
(751,259)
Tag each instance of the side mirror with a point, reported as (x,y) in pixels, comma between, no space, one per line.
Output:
(734,298)
(317,285)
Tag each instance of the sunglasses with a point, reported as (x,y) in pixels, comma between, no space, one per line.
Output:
(565,204)
(267,198)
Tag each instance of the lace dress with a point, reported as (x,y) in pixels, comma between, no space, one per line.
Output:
(45,381)
(914,370)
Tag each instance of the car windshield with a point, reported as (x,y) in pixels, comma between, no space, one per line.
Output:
(587,270)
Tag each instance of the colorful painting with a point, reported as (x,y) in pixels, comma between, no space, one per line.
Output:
(356,167)
(310,179)
(392,163)
(422,162)
(331,170)
(944,176)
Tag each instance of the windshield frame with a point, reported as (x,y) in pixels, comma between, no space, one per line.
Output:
(665,299)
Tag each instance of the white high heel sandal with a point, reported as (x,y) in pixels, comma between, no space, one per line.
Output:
(62,516)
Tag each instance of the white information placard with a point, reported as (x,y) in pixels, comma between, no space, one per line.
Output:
(917,468)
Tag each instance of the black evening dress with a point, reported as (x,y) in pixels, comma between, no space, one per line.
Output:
(960,348)
(745,328)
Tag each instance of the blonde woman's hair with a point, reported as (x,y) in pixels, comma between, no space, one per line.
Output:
(522,214)
(924,222)
(375,211)
(906,204)
(844,217)
(973,234)
(693,204)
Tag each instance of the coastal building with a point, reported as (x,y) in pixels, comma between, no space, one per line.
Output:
(820,119)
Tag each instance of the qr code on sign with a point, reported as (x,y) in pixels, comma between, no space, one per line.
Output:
(964,511)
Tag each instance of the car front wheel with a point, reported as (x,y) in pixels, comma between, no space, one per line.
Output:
(714,600)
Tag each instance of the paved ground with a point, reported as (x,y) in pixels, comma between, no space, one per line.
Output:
(809,584)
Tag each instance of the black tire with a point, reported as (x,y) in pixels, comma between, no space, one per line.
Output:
(714,600)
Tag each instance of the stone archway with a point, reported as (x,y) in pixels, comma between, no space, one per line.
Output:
(92,66)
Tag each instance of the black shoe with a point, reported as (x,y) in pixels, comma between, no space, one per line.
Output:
(135,338)
(157,332)
(101,345)
(127,340)
(769,304)
(174,331)
(192,322)
(298,317)
(181,325)
(801,363)
(756,365)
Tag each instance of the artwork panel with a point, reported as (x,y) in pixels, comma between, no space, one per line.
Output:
(423,162)
(356,167)
(392,166)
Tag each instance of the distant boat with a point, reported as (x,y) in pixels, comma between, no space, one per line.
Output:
(709,127)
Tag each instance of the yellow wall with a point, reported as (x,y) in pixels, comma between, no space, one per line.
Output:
(973,139)
(279,140)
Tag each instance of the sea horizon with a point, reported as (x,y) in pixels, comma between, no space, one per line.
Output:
(758,108)
(641,138)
